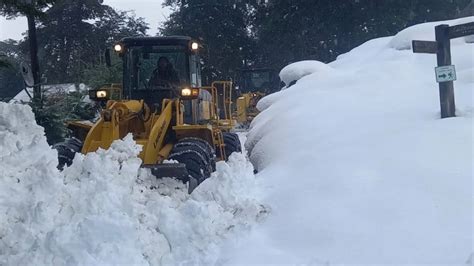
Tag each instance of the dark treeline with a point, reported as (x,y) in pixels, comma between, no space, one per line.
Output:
(72,35)
(273,33)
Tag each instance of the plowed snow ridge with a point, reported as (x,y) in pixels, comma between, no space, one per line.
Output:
(105,209)
(357,165)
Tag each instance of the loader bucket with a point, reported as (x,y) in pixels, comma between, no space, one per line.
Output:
(174,170)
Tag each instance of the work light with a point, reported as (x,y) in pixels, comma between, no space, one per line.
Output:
(101,94)
(118,48)
(186,92)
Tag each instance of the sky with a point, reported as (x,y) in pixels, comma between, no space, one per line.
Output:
(151,10)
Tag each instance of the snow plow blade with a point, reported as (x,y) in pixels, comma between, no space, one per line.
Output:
(175,170)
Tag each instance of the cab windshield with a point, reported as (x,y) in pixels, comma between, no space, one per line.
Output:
(256,81)
(142,65)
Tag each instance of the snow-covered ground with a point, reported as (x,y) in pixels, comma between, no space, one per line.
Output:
(357,166)
(105,209)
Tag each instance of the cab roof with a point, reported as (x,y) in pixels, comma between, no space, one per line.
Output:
(261,69)
(163,40)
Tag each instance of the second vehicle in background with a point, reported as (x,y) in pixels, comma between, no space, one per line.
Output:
(252,85)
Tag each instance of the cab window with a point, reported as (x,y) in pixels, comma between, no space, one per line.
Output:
(142,62)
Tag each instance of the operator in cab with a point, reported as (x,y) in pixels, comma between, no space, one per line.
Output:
(164,74)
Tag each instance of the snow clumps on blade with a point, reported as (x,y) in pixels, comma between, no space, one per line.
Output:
(98,224)
(196,225)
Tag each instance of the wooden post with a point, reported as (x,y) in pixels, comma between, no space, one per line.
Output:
(446,89)
(34,56)
(445,72)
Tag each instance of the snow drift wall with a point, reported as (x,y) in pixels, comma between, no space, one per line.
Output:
(358,166)
(105,209)
(29,185)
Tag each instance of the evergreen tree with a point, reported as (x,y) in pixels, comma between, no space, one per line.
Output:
(11,80)
(289,31)
(75,34)
(32,9)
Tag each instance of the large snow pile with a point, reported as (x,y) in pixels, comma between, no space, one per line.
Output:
(105,209)
(357,166)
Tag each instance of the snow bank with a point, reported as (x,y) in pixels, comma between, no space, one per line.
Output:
(194,227)
(296,71)
(29,184)
(105,209)
(359,169)
(267,101)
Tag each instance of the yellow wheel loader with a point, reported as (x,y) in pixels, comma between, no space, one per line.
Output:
(253,85)
(167,112)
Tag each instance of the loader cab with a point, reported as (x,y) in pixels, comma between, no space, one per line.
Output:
(141,59)
(263,80)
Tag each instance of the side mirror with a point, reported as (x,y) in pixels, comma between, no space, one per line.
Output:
(108,62)
(27,75)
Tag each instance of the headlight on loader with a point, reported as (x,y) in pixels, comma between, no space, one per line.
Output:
(100,94)
(189,93)
(118,48)
(186,92)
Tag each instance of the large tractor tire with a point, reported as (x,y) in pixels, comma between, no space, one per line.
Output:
(67,150)
(202,144)
(232,143)
(197,160)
